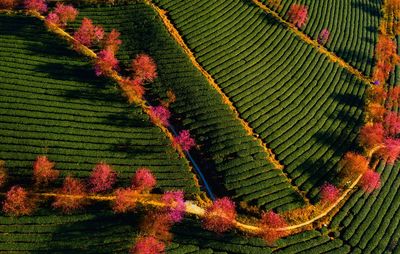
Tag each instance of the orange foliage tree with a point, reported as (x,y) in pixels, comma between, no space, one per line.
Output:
(18,202)
(43,171)
(75,192)
(269,222)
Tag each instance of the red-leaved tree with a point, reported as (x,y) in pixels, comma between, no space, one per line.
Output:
(143,180)
(174,205)
(105,63)
(88,34)
(221,216)
(269,222)
(111,41)
(102,178)
(323,36)
(157,223)
(125,200)
(17,202)
(370,181)
(298,15)
(392,123)
(148,245)
(376,112)
(377,94)
(61,15)
(71,195)
(35,5)
(371,135)
(160,115)
(184,140)
(133,89)
(144,68)
(7,4)
(43,171)
(329,193)
(354,163)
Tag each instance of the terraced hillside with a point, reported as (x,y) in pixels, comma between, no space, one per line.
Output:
(306,108)
(353,27)
(228,153)
(51,103)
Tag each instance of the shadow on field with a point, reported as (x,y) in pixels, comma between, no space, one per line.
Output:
(94,232)
(356,57)
(369,8)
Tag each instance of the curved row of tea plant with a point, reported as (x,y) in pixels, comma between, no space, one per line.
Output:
(228,155)
(306,108)
(353,27)
(51,103)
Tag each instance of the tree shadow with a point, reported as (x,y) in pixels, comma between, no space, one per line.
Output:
(355,56)
(369,8)
(95,232)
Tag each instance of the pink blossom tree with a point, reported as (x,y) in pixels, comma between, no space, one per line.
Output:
(61,15)
(175,205)
(323,36)
(111,41)
(17,202)
(298,15)
(143,180)
(160,114)
(88,34)
(271,221)
(392,123)
(148,245)
(329,193)
(102,178)
(105,62)
(221,216)
(370,181)
(35,5)
(43,171)
(144,68)
(391,151)
(184,140)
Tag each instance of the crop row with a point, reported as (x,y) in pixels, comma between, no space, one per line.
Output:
(353,27)
(306,108)
(228,154)
(51,103)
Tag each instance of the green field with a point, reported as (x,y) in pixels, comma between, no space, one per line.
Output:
(51,103)
(307,109)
